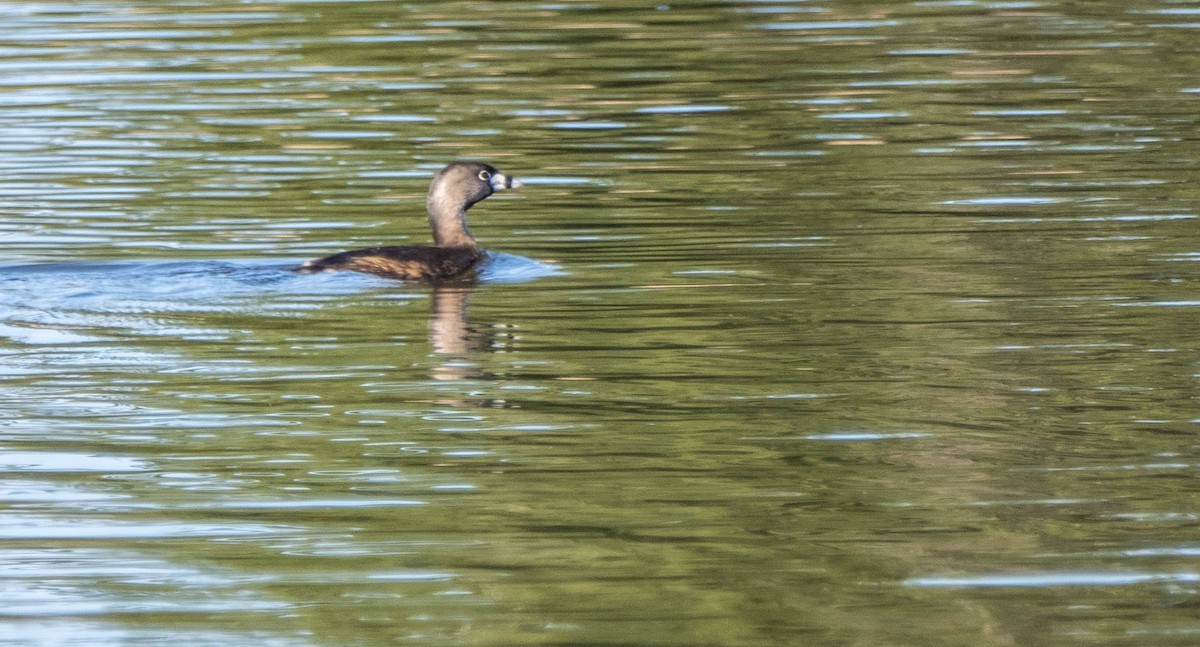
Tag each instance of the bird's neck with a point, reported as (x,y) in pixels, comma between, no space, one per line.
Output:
(451,230)
(448,221)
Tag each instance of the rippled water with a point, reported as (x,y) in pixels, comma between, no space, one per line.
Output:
(815,323)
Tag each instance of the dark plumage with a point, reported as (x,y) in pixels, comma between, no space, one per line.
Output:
(452,192)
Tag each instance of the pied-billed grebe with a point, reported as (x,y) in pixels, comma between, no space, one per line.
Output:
(452,192)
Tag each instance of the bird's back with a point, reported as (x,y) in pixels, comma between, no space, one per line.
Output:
(413,263)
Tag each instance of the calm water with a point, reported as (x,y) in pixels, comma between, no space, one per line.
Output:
(838,323)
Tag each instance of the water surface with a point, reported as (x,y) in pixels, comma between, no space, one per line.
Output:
(815,323)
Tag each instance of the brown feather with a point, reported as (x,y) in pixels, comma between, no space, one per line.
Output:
(411,263)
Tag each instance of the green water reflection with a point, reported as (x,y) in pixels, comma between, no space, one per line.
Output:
(872,325)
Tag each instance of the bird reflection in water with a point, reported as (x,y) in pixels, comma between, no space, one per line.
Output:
(453,335)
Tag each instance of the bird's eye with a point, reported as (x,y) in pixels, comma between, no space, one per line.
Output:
(485,176)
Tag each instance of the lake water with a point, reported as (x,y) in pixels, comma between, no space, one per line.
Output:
(815,323)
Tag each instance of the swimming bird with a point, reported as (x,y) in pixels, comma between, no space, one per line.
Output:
(455,251)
